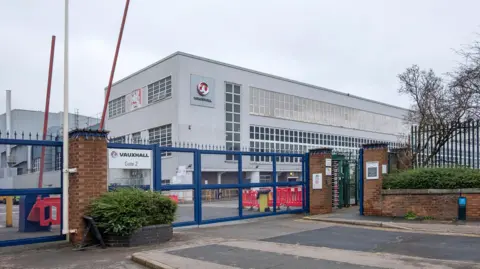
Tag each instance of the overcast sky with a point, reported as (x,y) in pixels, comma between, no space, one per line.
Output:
(357,47)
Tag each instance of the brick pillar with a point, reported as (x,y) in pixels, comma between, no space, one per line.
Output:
(320,200)
(372,188)
(87,153)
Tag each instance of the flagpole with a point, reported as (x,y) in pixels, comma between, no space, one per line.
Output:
(65,131)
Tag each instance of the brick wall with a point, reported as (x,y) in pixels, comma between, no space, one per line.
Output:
(320,200)
(87,153)
(372,188)
(439,204)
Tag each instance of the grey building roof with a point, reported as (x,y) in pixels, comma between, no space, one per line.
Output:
(179,53)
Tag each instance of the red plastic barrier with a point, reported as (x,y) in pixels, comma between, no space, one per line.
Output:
(281,197)
(249,199)
(174,198)
(289,197)
(53,205)
(294,197)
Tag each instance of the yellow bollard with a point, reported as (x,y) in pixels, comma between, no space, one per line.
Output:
(9,222)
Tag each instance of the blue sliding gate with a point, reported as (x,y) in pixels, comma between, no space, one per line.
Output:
(19,180)
(214,185)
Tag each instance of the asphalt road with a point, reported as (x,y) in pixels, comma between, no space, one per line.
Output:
(336,247)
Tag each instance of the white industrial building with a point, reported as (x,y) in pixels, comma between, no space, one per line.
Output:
(20,164)
(186,98)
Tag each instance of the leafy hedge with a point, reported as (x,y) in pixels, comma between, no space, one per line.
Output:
(433,178)
(124,210)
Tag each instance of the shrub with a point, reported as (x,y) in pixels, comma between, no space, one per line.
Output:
(125,210)
(410,215)
(433,178)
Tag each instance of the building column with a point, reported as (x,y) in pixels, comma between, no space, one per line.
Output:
(88,154)
(219,177)
(29,159)
(320,164)
(375,157)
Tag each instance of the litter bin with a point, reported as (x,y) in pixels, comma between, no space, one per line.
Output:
(462,208)
(262,197)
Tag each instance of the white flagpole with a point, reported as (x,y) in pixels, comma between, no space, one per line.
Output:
(65,130)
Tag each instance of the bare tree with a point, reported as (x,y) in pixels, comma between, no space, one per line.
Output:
(437,112)
(466,79)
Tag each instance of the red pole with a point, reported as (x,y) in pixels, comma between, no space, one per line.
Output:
(47,106)
(107,96)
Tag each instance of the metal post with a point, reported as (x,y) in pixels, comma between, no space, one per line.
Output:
(477,142)
(360,183)
(9,200)
(240,182)
(47,107)
(65,132)
(8,115)
(112,73)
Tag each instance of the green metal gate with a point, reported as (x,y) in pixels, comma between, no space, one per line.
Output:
(344,181)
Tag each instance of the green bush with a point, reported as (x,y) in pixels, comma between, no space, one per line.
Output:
(433,178)
(124,210)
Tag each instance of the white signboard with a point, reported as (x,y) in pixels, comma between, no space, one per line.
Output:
(129,159)
(384,169)
(328,162)
(372,170)
(317,181)
(328,171)
(136,99)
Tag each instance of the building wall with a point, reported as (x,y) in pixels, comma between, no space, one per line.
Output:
(51,179)
(437,204)
(147,116)
(206,126)
(28,121)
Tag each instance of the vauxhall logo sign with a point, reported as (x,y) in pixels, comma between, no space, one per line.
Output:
(202,91)
(129,159)
(115,154)
(202,88)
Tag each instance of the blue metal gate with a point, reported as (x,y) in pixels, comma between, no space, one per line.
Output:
(202,201)
(19,181)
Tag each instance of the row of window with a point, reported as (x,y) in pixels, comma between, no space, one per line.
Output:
(161,135)
(232,118)
(267,146)
(116,106)
(58,162)
(290,107)
(262,133)
(156,91)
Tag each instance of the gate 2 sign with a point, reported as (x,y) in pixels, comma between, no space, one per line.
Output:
(129,159)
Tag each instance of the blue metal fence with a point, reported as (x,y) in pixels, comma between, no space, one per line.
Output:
(198,187)
(15,235)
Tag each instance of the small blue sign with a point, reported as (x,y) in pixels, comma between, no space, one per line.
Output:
(462,201)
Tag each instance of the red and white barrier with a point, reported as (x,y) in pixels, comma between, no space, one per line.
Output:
(288,197)
(53,205)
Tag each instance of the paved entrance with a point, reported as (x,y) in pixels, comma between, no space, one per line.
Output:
(293,243)
(273,242)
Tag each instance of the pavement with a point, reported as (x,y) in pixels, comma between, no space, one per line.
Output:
(351,216)
(279,242)
(299,243)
